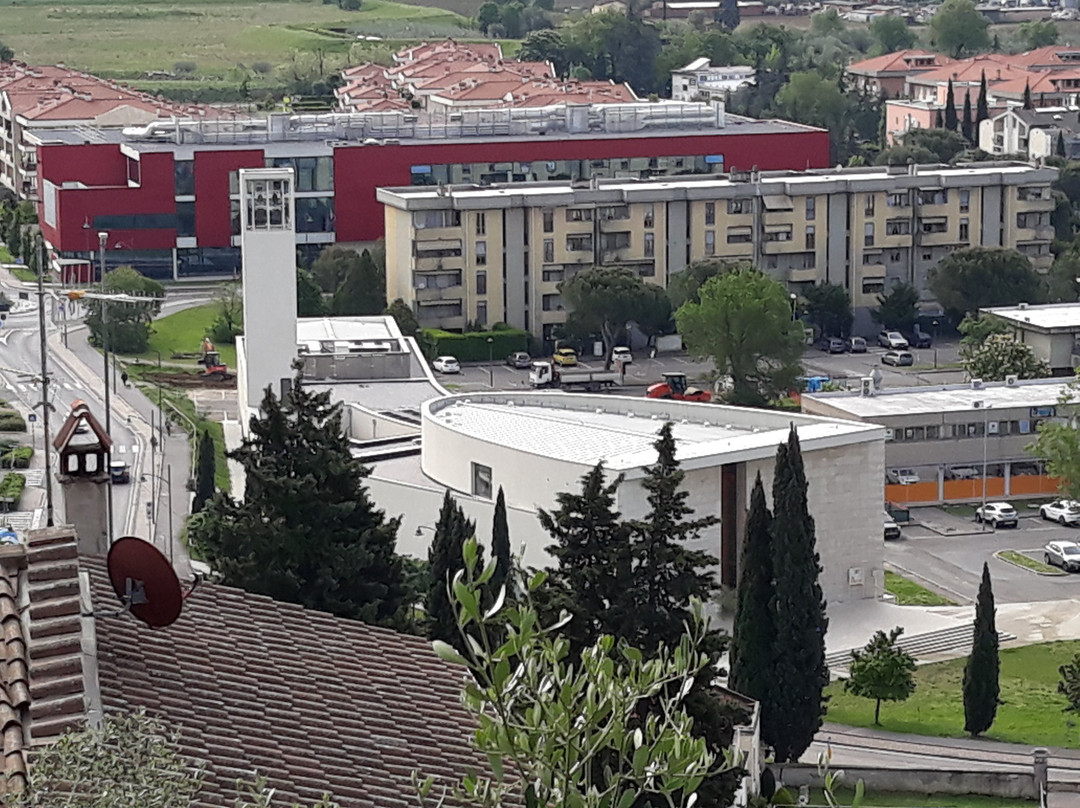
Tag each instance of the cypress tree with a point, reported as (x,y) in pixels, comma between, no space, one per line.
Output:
(754,636)
(982,109)
(500,548)
(981,673)
(950,109)
(966,125)
(444,560)
(1027,96)
(799,670)
(204,472)
(1060,146)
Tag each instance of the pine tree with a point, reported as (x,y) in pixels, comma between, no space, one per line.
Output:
(982,108)
(1060,146)
(204,472)
(307,530)
(362,291)
(939,119)
(593,571)
(444,560)
(1027,96)
(950,109)
(982,687)
(754,636)
(966,124)
(799,673)
(500,548)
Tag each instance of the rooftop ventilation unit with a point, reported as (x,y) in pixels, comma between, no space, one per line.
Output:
(976,384)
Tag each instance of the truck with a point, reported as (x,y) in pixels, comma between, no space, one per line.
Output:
(548,374)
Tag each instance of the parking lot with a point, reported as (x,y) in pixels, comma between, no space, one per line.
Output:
(937,365)
(952,563)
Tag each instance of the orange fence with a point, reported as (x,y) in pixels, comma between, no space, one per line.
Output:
(959,490)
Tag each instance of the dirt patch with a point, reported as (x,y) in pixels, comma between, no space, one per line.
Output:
(192,380)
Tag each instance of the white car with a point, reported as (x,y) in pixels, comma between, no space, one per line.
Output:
(1062,511)
(902,476)
(621,354)
(893,340)
(998,514)
(446,364)
(1064,554)
(892,530)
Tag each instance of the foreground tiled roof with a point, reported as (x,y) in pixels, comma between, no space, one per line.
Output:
(313,702)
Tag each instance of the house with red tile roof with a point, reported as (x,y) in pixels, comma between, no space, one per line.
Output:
(889,73)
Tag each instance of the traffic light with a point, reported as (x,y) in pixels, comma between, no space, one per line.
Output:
(75,294)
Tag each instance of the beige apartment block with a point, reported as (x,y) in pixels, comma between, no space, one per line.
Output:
(498,253)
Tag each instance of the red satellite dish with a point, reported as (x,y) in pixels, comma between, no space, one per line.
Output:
(144,581)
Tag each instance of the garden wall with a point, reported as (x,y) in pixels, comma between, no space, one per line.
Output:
(1011,785)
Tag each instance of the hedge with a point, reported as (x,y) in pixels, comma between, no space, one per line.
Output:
(17,457)
(473,347)
(11,421)
(11,488)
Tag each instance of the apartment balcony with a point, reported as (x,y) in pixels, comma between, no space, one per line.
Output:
(611,225)
(445,317)
(803,275)
(449,262)
(448,294)
(620,255)
(1028,234)
(1042,204)
(1041,263)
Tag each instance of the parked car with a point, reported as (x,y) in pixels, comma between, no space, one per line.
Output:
(446,364)
(519,359)
(1062,511)
(892,530)
(832,345)
(998,514)
(900,359)
(856,344)
(961,472)
(567,357)
(902,476)
(1064,554)
(893,340)
(119,472)
(919,339)
(621,354)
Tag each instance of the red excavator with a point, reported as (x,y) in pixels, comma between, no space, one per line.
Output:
(674,386)
(210,358)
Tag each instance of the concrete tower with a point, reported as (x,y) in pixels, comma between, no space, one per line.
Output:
(268,242)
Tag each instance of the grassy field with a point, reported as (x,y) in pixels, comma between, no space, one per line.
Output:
(1032,711)
(909,593)
(183,332)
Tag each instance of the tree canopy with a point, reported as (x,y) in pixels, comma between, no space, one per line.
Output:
(977,277)
(1037,34)
(363,287)
(897,309)
(981,684)
(6,53)
(1000,355)
(829,307)
(744,323)
(958,29)
(881,671)
(891,33)
(683,285)
(127,324)
(1058,444)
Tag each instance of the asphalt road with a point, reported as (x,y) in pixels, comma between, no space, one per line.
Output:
(932,366)
(952,564)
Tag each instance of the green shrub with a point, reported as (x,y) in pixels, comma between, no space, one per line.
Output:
(473,347)
(17,457)
(11,421)
(11,488)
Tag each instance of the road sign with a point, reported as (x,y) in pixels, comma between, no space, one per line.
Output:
(31,417)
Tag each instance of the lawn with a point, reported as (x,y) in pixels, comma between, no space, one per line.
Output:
(183,332)
(909,593)
(1026,562)
(1032,711)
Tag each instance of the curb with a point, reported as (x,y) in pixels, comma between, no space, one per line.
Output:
(1052,574)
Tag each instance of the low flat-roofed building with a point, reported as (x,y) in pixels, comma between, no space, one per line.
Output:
(939,441)
(1051,330)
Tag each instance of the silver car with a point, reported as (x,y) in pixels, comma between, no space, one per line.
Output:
(1062,511)
(1064,554)
(998,514)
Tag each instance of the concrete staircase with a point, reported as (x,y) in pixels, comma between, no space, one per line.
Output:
(921,645)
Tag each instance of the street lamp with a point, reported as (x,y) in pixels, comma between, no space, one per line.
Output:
(986,420)
(793,297)
(167,480)
(491,358)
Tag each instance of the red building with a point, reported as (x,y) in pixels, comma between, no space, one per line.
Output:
(167,197)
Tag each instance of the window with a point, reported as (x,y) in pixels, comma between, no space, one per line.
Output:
(184,177)
(185,218)
(810,237)
(615,212)
(136,221)
(436,280)
(869,208)
(315,215)
(811,204)
(553,275)
(898,200)
(1028,194)
(481,312)
(871,258)
(930,226)
(579,243)
(933,432)
(481,283)
(426,219)
(710,242)
(868,235)
(898,227)
(646,270)
(650,245)
(549,221)
(965,201)
(317,173)
(737,206)
(779,235)
(710,213)
(739,235)
(928,256)
(934,196)
(481,253)
(481,481)
(649,216)
(551,302)
(873,286)
(579,214)
(965,230)
(549,250)
(481,224)
(614,241)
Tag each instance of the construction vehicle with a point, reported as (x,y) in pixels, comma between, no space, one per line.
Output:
(210,359)
(548,374)
(674,386)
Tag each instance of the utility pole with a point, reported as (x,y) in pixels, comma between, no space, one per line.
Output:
(102,238)
(45,403)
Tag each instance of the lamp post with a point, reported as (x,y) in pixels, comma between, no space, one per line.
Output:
(491,358)
(793,298)
(167,480)
(45,405)
(986,421)
(102,238)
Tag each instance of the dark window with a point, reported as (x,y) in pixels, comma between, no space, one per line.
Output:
(137,221)
(312,173)
(184,177)
(185,218)
(481,283)
(481,481)
(208,261)
(315,215)
(134,171)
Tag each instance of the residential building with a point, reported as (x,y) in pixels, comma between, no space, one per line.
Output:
(702,81)
(41,98)
(961,442)
(455,252)
(1031,133)
(888,74)
(168,194)
(1052,331)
